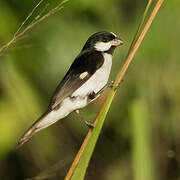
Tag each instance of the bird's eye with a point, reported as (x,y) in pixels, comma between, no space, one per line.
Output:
(108,38)
(105,39)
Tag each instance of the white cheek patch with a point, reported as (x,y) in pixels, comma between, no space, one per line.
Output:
(83,75)
(102,46)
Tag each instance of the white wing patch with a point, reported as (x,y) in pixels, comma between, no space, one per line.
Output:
(83,75)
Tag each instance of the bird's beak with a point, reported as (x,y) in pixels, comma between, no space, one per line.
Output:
(116,42)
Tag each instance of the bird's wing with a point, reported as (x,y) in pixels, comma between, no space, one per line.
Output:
(83,67)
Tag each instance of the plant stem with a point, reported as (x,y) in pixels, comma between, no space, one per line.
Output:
(105,107)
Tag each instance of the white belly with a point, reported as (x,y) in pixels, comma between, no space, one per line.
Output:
(80,100)
(95,83)
(98,79)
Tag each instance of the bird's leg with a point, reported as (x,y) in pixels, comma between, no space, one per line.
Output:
(90,125)
(107,85)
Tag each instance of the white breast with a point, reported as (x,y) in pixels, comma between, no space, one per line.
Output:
(98,79)
(95,83)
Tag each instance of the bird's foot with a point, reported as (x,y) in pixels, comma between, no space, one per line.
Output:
(90,125)
(115,87)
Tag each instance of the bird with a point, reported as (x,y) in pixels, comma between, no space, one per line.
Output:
(85,80)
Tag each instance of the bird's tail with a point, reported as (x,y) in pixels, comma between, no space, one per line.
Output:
(44,121)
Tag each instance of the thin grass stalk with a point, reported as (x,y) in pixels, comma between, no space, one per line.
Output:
(140,24)
(22,30)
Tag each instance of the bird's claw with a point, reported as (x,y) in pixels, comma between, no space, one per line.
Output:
(111,85)
(90,125)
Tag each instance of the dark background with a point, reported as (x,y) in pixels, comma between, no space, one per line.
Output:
(140,139)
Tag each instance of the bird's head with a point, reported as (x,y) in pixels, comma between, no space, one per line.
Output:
(103,41)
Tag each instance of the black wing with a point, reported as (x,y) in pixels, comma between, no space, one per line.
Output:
(86,62)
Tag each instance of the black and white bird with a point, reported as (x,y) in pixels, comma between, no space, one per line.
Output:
(86,78)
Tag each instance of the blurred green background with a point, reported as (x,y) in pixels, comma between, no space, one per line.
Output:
(140,139)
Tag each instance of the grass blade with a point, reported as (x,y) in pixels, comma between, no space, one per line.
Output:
(141,23)
(143,166)
(81,161)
